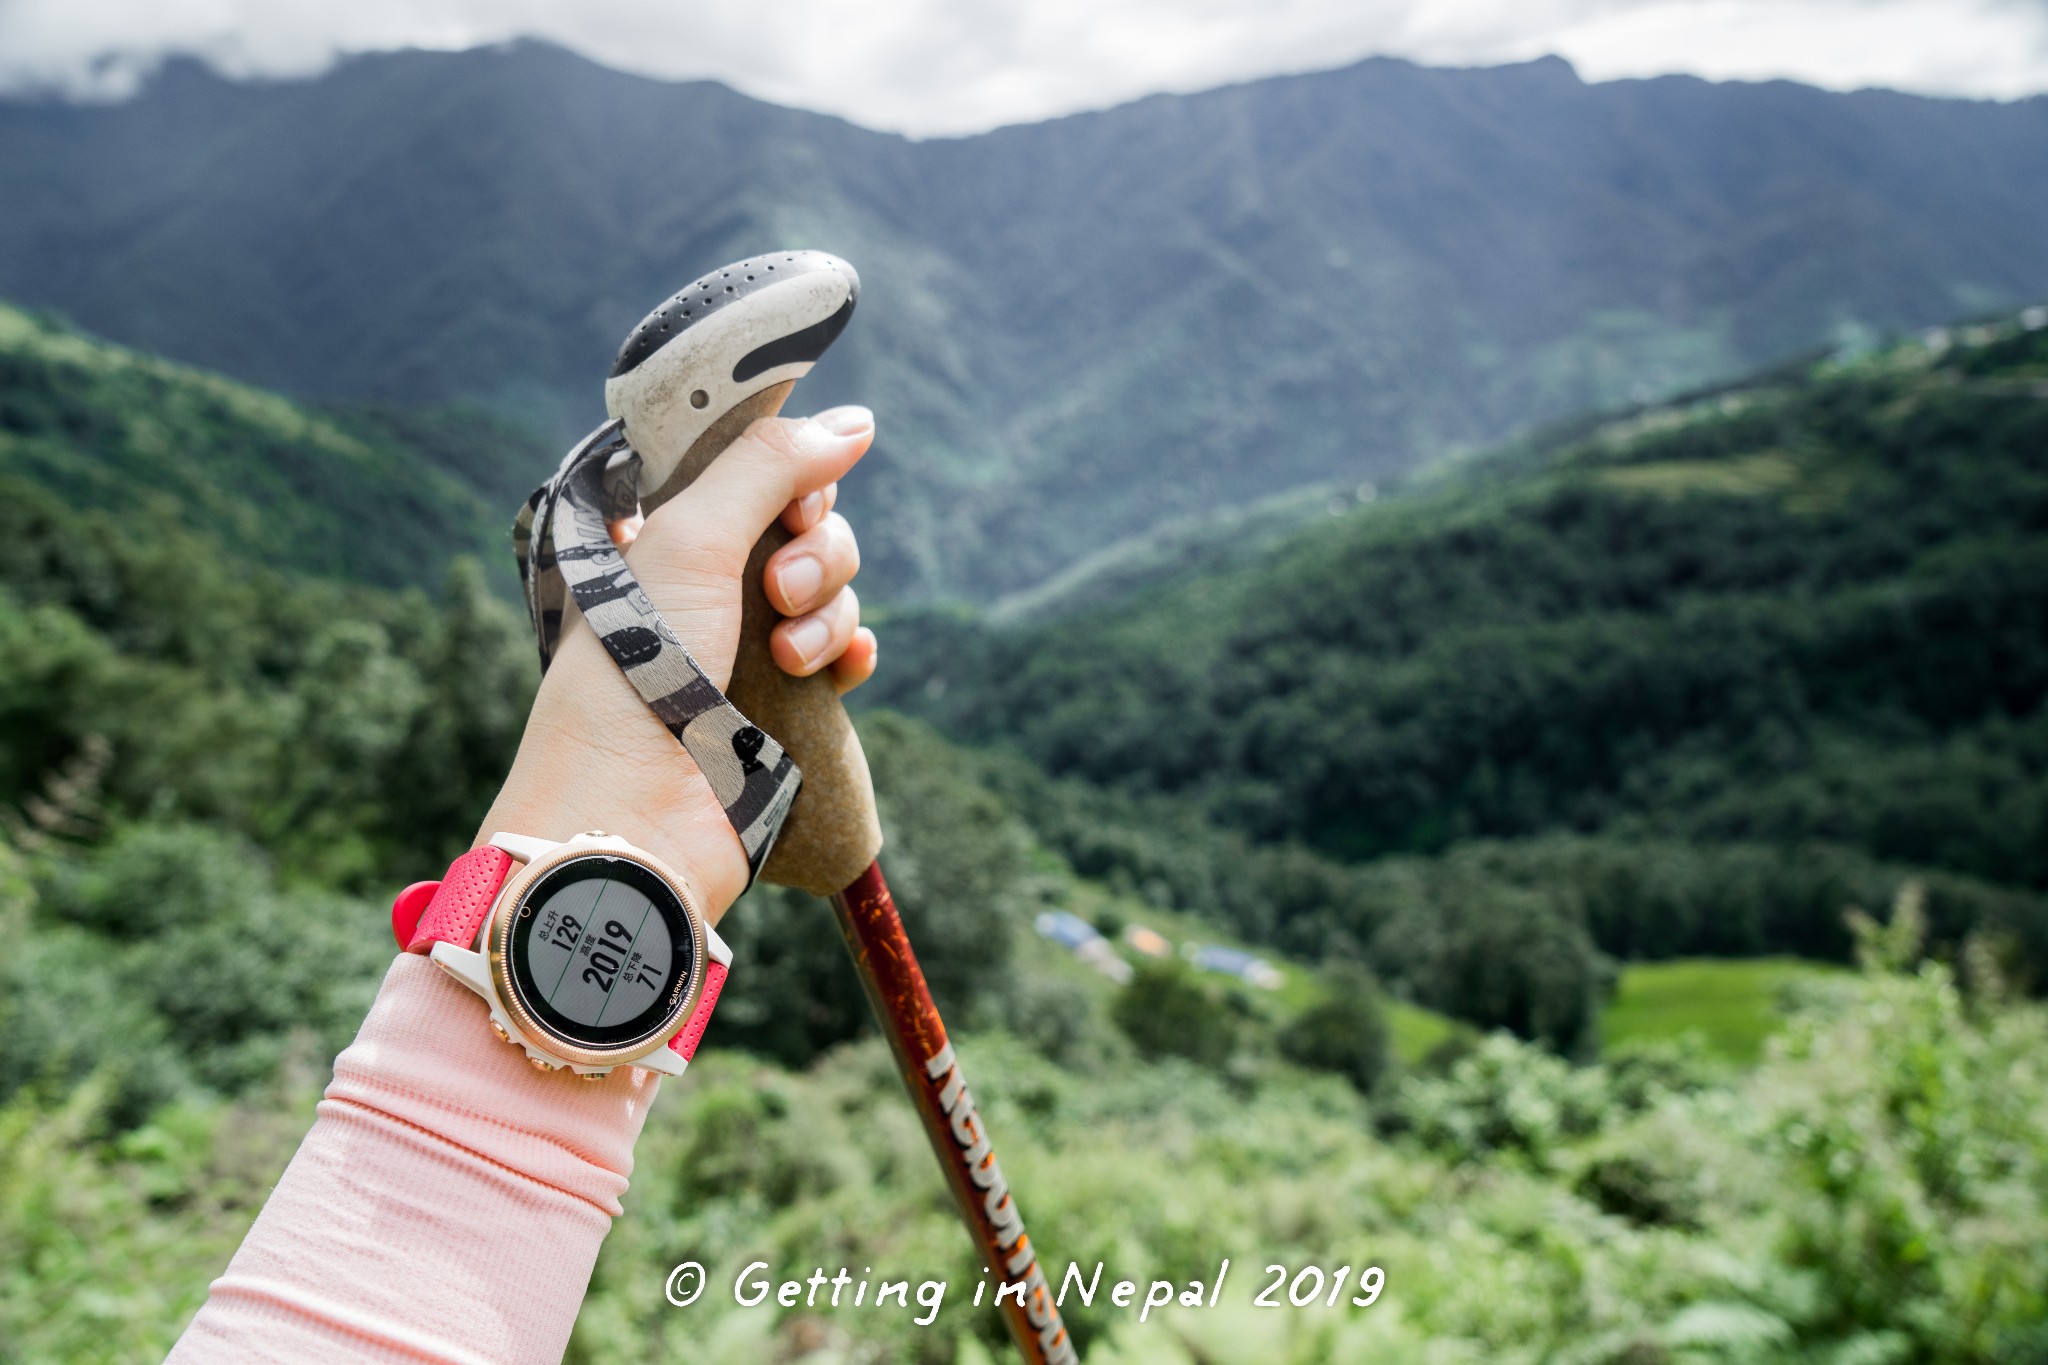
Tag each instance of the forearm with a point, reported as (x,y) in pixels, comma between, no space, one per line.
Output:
(447,1205)
(450,1200)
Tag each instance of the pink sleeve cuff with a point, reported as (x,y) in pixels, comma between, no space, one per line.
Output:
(448,1203)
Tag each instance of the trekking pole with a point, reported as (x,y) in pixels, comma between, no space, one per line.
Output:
(757,326)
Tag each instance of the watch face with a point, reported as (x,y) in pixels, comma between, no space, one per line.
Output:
(600,951)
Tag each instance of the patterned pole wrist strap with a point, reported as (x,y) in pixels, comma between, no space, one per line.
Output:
(564,544)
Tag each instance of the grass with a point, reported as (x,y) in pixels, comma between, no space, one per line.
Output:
(1732,1004)
(1416,1031)
(1748,475)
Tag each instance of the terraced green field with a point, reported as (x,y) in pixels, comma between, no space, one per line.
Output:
(1732,1005)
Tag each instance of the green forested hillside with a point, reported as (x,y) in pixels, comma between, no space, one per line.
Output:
(1790,638)
(1817,608)
(374,495)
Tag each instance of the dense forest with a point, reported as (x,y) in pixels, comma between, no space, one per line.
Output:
(218,756)
(1684,680)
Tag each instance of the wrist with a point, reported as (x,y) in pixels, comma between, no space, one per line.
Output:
(595,757)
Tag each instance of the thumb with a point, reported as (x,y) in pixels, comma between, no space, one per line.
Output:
(701,537)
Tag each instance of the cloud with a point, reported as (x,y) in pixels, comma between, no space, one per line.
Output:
(945,66)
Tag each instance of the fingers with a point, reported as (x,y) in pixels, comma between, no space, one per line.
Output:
(805,579)
(808,643)
(857,664)
(804,574)
(776,461)
(807,511)
(593,751)
(625,529)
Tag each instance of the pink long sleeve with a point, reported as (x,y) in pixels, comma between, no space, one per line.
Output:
(447,1205)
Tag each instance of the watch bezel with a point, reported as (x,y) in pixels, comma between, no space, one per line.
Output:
(506,913)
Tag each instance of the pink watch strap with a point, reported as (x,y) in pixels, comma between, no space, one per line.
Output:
(407,908)
(457,905)
(684,1044)
(453,909)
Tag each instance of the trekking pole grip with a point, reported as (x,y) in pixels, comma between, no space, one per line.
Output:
(833,832)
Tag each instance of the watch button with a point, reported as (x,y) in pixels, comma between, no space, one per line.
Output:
(540,1063)
(499,1029)
(592,1075)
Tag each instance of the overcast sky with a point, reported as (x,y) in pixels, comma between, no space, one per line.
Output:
(948,66)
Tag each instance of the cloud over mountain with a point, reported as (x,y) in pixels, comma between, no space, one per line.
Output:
(952,66)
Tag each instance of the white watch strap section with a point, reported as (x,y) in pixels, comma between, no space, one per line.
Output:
(522,847)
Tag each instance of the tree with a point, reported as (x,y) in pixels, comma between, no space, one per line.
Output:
(1168,1012)
(1346,1032)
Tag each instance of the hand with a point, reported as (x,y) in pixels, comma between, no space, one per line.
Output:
(593,755)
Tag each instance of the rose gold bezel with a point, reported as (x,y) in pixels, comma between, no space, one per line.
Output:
(505,912)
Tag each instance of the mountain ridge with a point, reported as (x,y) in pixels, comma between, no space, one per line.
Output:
(1073,330)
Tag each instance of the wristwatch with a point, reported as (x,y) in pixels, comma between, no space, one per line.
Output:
(589,952)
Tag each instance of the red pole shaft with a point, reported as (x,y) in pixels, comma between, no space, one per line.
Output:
(903,1006)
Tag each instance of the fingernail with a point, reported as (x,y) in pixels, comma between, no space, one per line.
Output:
(799,579)
(808,639)
(850,420)
(811,506)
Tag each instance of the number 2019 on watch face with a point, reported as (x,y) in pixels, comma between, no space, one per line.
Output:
(609,952)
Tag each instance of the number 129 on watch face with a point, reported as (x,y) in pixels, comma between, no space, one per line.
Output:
(600,951)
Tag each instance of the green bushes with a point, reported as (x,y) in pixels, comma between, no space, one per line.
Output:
(1505,1098)
(1877,1190)
(107,1245)
(170,965)
(1168,1011)
(152,880)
